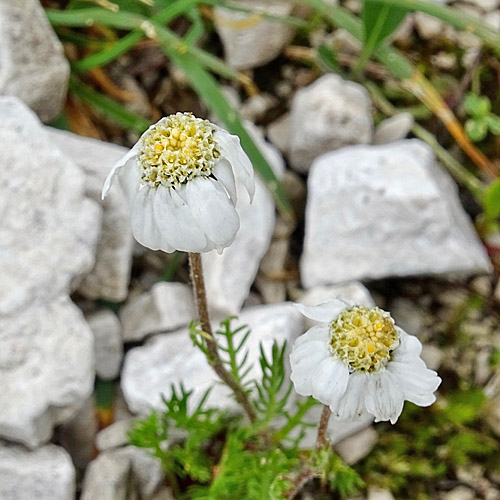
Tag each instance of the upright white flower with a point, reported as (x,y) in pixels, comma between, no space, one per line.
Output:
(180,181)
(360,360)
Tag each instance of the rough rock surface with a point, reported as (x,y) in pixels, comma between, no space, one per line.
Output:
(250,40)
(32,64)
(393,129)
(329,114)
(124,474)
(229,276)
(150,370)
(166,307)
(44,474)
(108,343)
(48,235)
(49,228)
(110,276)
(380,211)
(356,447)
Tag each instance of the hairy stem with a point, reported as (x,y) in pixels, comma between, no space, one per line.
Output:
(212,350)
(321,440)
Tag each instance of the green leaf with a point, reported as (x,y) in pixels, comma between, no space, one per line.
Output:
(476,105)
(492,200)
(108,107)
(379,22)
(476,129)
(493,122)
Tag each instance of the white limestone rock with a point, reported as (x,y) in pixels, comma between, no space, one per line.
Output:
(166,307)
(48,234)
(229,276)
(43,474)
(110,276)
(248,39)
(49,227)
(114,435)
(32,63)
(150,370)
(108,477)
(327,115)
(356,447)
(108,343)
(393,129)
(46,369)
(380,211)
(128,473)
(379,494)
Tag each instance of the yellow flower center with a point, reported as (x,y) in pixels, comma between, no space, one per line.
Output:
(363,338)
(177,149)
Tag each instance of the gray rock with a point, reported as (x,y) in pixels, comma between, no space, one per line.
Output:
(166,307)
(327,115)
(108,477)
(43,474)
(46,369)
(128,473)
(380,211)
(229,276)
(108,343)
(109,278)
(378,494)
(147,471)
(492,416)
(114,435)
(432,356)
(459,493)
(272,265)
(408,315)
(150,370)
(248,39)
(356,447)
(278,132)
(49,230)
(393,129)
(33,67)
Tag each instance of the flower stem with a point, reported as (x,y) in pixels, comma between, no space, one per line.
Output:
(212,349)
(321,440)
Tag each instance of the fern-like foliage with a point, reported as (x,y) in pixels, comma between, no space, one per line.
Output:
(209,454)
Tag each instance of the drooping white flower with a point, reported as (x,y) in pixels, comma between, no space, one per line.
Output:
(180,181)
(359,360)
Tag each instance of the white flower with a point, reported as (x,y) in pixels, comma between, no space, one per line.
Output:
(180,181)
(360,360)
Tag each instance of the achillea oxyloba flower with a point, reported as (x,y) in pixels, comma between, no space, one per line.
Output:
(360,360)
(180,181)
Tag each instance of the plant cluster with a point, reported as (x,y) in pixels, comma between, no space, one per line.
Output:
(213,454)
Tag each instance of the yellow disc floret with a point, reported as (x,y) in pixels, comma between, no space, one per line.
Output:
(177,149)
(363,338)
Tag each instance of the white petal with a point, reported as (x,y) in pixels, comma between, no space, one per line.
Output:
(317,332)
(409,347)
(176,223)
(417,381)
(224,174)
(303,364)
(325,312)
(143,221)
(329,381)
(131,155)
(352,403)
(213,211)
(231,149)
(384,397)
